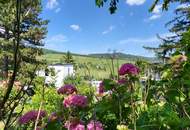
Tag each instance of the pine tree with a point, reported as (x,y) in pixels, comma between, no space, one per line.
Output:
(177,48)
(21,38)
(178,26)
(68,58)
(6,23)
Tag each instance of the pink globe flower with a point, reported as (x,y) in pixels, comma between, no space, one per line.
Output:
(94,125)
(128,69)
(79,127)
(67,89)
(74,125)
(101,88)
(75,101)
(31,116)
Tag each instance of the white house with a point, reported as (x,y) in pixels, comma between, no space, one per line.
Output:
(95,83)
(61,72)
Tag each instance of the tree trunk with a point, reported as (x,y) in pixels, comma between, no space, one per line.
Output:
(5,67)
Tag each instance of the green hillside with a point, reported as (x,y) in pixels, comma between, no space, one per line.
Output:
(106,55)
(93,65)
(122,56)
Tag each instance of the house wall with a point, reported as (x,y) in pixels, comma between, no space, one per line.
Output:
(61,72)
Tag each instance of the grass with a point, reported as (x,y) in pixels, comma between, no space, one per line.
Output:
(98,68)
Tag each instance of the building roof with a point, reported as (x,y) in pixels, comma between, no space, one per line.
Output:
(60,64)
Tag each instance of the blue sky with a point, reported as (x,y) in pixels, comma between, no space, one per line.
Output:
(81,27)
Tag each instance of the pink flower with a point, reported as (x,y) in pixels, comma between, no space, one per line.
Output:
(74,125)
(94,125)
(101,88)
(75,100)
(67,89)
(79,127)
(128,69)
(31,116)
(122,81)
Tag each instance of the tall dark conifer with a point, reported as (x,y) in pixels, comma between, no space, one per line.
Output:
(21,35)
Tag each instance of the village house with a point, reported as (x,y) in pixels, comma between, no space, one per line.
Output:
(56,73)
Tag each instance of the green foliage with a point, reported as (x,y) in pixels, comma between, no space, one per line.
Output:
(83,86)
(155,105)
(55,125)
(166,3)
(108,84)
(68,58)
(51,100)
(113,5)
(75,80)
(49,96)
(159,117)
(20,42)
(143,66)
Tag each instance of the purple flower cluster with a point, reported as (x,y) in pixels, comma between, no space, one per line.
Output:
(31,116)
(75,100)
(78,125)
(101,88)
(74,125)
(122,81)
(128,69)
(67,89)
(94,125)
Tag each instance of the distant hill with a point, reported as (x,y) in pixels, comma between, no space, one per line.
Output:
(48,51)
(122,56)
(106,55)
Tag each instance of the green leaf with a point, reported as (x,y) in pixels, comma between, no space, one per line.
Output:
(108,84)
(99,3)
(55,125)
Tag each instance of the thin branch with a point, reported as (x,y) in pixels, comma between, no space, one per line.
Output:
(186,112)
(16,50)
(36,123)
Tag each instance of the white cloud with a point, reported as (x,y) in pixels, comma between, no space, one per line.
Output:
(156,13)
(57,10)
(145,41)
(59,38)
(75,27)
(110,29)
(52,4)
(155,16)
(135,2)
(140,41)
(135,45)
